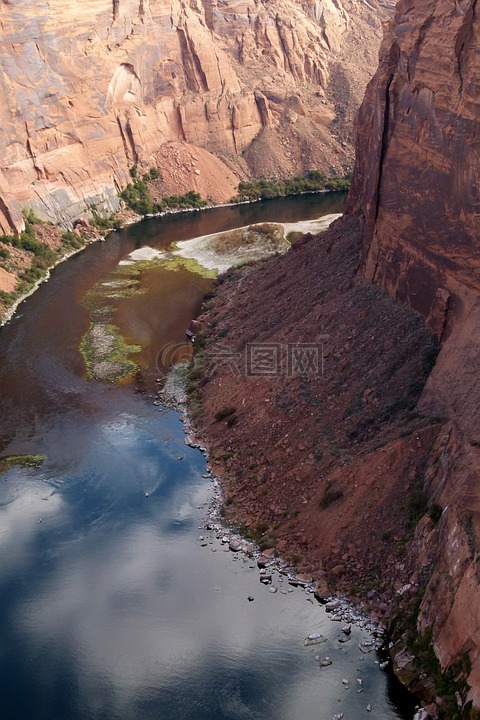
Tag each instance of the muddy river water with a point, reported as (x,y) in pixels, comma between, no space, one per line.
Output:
(110,606)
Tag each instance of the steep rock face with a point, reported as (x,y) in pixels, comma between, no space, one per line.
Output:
(418,149)
(89,89)
(416,190)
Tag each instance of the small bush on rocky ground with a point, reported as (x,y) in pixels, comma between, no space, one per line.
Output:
(329,497)
(435,512)
(72,240)
(6,298)
(104,222)
(225,412)
(30,217)
(417,503)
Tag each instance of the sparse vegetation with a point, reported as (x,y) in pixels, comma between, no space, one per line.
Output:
(269,236)
(137,196)
(467,524)
(417,503)
(104,223)
(30,217)
(225,412)
(315,181)
(450,684)
(430,356)
(435,512)
(6,298)
(72,241)
(11,461)
(44,255)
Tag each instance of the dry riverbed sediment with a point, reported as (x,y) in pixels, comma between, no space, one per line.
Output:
(222,250)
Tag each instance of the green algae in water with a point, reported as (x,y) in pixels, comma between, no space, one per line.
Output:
(116,289)
(136,268)
(189,264)
(27,461)
(107,354)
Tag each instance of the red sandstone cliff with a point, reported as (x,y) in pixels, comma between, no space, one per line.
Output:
(208,91)
(379,494)
(416,188)
(418,160)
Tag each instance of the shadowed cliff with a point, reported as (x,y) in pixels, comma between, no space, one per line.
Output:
(416,191)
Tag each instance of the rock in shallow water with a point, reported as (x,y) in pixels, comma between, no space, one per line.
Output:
(314,639)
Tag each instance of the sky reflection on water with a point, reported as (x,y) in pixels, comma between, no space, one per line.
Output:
(109,606)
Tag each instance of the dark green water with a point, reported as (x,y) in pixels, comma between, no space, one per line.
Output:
(109,606)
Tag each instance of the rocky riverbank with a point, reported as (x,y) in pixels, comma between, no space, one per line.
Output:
(25,265)
(290,446)
(326,464)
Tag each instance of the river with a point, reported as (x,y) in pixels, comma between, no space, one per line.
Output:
(111,608)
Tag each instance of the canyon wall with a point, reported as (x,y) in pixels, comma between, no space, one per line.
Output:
(368,471)
(89,89)
(416,179)
(416,190)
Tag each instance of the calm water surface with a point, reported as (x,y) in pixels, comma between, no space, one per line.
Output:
(109,606)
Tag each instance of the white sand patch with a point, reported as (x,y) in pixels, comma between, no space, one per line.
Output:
(311,226)
(142,254)
(199,248)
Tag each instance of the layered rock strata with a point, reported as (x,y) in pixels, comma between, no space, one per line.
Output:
(91,89)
